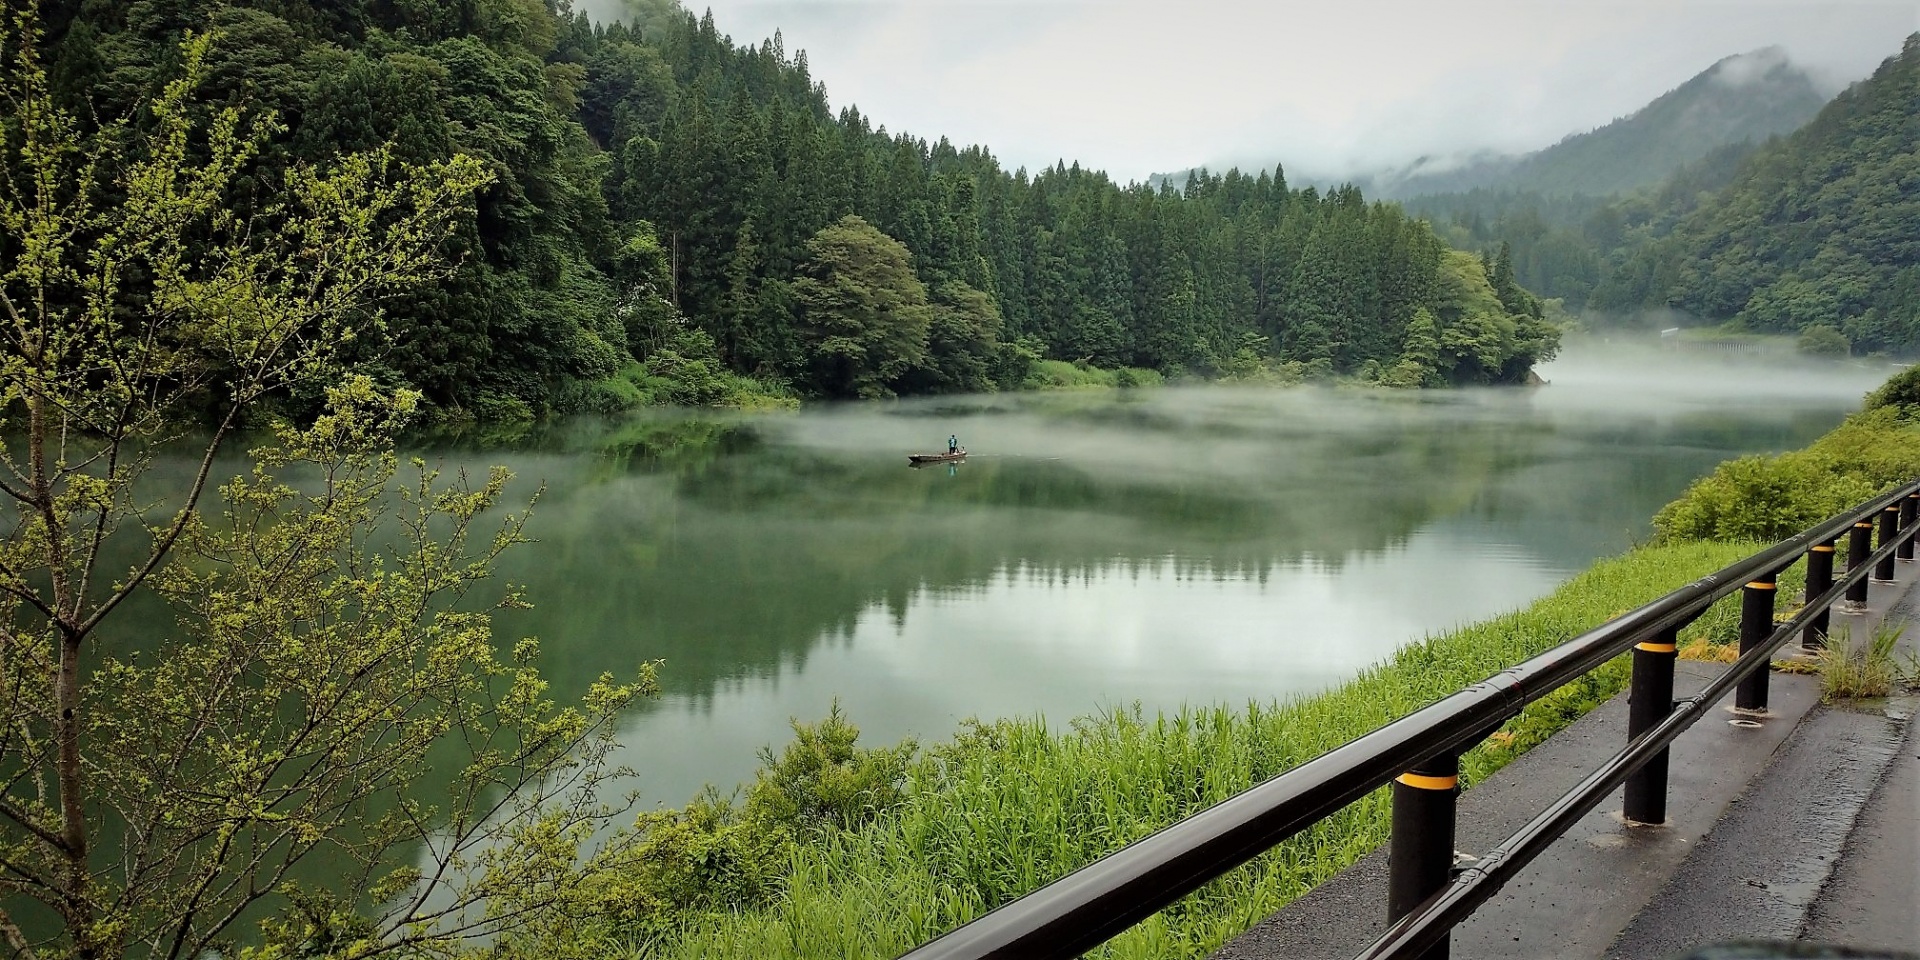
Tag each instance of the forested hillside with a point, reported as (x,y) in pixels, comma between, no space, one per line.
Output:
(1569,247)
(1815,230)
(671,212)
(1569,210)
(1747,98)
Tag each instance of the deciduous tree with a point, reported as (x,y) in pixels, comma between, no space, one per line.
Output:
(302,650)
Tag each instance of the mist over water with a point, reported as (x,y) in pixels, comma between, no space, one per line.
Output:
(1197,545)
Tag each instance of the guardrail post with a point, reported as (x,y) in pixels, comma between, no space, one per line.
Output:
(1908,509)
(1756,621)
(1889,531)
(1420,859)
(1819,581)
(1859,545)
(1648,702)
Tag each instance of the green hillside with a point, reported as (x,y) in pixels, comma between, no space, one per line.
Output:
(1744,98)
(673,213)
(1815,230)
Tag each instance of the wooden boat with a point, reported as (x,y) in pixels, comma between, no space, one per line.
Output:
(956,456)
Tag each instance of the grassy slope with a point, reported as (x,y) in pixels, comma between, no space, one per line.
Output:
(1011,805)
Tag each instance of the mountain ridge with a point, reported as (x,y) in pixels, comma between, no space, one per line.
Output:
(1745,97)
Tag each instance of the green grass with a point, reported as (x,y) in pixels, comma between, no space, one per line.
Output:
(1009,806)
(1849,670)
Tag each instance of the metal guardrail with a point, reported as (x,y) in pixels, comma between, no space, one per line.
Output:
(1419,755)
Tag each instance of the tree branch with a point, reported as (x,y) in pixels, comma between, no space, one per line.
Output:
(23,950)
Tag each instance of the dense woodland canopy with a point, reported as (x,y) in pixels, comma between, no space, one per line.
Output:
(1570,247)
(1815,230)
(671,212)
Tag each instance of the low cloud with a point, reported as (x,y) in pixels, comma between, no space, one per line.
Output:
(1328,88)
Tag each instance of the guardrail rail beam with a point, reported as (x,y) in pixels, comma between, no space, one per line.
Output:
(1426,895)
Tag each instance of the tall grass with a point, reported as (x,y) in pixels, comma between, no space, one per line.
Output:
(1849,670)
(1009,806)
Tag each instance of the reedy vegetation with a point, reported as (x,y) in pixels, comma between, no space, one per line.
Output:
(1850,669)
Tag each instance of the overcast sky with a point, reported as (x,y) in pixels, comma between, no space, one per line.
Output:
(1329,87)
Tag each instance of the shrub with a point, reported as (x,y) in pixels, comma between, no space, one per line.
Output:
(1901,392)
(491,407)
(823,782)
(1767,498)
(1824,341)
(612,394)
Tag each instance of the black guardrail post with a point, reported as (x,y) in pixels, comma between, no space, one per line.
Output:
(1756,622)
(1889,530)
(1420,859)
(1648,702)
(1819,581)
(1909,508)
(1859,545)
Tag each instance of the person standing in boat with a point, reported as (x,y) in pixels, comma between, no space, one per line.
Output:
(953,445)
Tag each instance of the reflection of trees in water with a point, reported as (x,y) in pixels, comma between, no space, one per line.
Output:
(697,538)
(730,557)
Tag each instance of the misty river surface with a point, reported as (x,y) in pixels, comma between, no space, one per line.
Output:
(1184,545)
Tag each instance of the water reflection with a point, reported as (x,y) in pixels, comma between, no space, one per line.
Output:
(1182,545)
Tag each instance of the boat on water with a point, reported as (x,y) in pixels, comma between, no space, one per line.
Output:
(953,457)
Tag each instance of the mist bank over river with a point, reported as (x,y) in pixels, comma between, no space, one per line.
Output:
(1193,544)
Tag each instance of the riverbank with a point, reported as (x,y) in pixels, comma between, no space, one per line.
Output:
(671,380)
(1007,806)
(874,851)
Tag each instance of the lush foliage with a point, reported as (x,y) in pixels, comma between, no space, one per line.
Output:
(198,699)
(1823,341)
(1816,230)
(649,177)
(1901,392)
(1767,498)
(1809,231)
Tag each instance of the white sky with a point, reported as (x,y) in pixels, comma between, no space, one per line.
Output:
(1324,86)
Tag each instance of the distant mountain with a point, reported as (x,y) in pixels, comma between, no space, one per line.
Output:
(1816,229)
(1748,97)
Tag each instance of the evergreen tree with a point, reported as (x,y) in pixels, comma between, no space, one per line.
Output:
(864,314)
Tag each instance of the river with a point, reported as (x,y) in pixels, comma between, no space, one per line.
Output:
(1189,544)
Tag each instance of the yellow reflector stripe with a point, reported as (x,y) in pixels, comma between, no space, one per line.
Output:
(1423,782)
(1761,585)
(1656,647)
